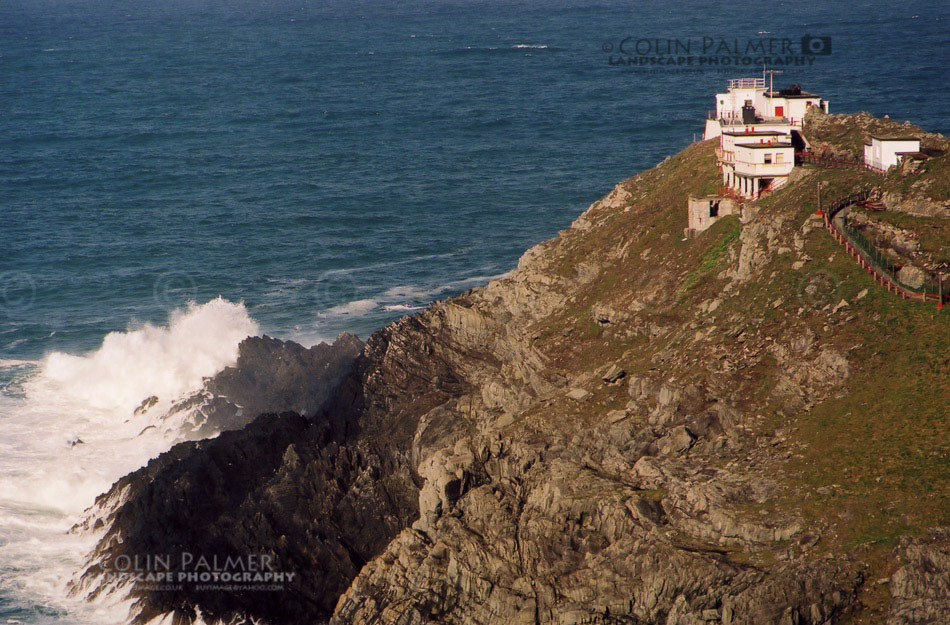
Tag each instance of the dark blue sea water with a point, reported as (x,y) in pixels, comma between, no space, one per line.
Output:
(331,165)
(302,155)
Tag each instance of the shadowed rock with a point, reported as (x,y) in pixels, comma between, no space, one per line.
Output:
(270,376)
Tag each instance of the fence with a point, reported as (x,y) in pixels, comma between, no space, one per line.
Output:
(870,258)
(810,158)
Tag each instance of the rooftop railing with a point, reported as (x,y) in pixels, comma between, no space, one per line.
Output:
(736,120)
(747,83)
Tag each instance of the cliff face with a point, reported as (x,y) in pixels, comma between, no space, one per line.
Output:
(630,428)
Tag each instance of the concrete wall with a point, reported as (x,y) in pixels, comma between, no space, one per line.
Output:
(700,209)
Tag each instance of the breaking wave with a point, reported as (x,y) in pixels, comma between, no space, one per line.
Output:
(71,429)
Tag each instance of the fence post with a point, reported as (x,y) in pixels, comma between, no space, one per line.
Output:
(939,290)
(820,212)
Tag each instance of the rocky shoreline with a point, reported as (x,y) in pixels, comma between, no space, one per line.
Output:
(607,435)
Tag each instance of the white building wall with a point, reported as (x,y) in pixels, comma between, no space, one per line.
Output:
(886,153)
(752,161)
(730,104)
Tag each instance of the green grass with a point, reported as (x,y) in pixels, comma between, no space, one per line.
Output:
(933,234)
(885,445)
(875,457)
(724,232)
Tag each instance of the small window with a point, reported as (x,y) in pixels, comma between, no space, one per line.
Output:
(779,157)
(714,209)
(768,159)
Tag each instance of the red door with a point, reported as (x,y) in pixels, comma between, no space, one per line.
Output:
(780,111)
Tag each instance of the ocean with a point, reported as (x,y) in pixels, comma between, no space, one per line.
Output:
(179,174)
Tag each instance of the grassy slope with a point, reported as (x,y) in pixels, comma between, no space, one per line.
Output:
(933,234)
(873,462)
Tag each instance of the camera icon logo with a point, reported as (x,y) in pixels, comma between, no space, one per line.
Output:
(816,45)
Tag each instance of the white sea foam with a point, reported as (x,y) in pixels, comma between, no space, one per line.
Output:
(6,363)
(422,295)
(355,307)
(72,432)
(163,361)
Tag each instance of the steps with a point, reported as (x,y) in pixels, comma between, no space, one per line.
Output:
(873,205)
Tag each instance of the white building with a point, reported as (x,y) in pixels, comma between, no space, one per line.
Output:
(759,167)
(748,101)
(884,152)
(792,104)
(759,131)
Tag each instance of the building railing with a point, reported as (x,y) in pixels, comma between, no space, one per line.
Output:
(746,83)
(760,120)
(725,156)
(727,191)
(747,168)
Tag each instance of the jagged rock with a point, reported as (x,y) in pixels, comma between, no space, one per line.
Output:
(578,394)
(147,403)
(277,376)
(913,277)
(270,376)
(679,440)
(617,415)
(917,206)
(447,479)
(921,588)
(613,374)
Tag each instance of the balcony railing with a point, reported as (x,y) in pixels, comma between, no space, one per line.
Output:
(725,156)
(746,168)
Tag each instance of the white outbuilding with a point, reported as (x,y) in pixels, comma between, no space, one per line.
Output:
(884,152)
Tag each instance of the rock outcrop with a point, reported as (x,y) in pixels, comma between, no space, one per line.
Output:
(610,434)
(921,588)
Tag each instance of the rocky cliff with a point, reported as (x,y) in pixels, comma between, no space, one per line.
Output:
(629,428)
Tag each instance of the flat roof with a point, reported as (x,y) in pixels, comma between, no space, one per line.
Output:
(790,96)
(757,132)
(763,145)
(894,138)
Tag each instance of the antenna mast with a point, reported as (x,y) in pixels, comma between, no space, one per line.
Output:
(771,74)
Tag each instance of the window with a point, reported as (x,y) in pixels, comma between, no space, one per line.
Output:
(779,157)
(768,159)
(713,209)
